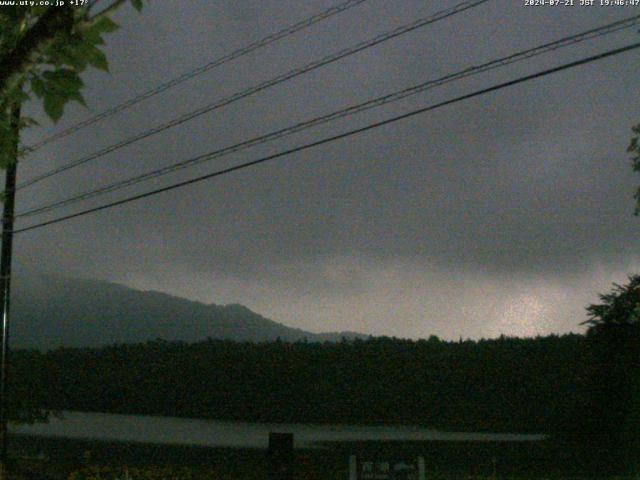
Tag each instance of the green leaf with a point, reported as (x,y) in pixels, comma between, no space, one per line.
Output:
(19,96)
(64,82)
(69,54)
(104,25)
(137,4)
(38,86)
(5,161)
(39,10)
(78,98)
(54,106)
(92,36)
(98,59)
(81,54)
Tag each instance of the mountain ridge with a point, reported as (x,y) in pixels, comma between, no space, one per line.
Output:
(49,311)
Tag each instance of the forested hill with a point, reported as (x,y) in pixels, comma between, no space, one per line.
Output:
(50,311)
(506,384)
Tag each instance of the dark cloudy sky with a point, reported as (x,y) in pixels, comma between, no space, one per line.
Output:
(504,214)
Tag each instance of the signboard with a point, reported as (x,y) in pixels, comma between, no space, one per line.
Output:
(386,468)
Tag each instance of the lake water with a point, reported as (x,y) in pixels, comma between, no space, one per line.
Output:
(214,433)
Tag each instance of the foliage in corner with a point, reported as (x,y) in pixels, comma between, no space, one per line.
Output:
(43,51)
(619,307)
(634,147)
(613,366)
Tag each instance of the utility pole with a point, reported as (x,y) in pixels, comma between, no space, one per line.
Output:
(5,284)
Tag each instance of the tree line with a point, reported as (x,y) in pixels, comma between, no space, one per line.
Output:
(505,384)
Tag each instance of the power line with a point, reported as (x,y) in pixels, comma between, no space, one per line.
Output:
(260,87)
(334,138)
(358,108)
(290,30)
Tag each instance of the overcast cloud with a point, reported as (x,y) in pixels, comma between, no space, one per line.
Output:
(504,214)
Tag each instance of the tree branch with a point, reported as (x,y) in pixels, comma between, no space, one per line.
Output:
(15,63)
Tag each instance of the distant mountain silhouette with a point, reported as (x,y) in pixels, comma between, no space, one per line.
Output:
(49,311)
